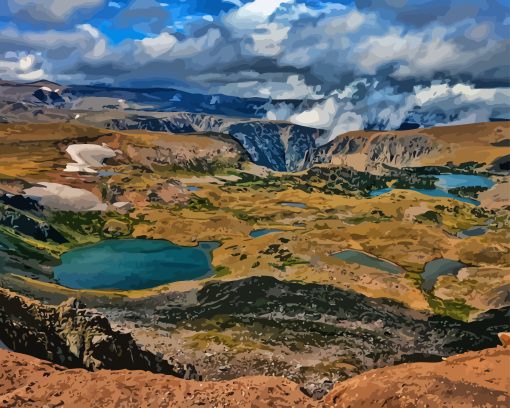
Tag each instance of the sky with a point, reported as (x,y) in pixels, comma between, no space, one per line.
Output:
(350,64)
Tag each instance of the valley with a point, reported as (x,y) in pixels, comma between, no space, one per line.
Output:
(246,247)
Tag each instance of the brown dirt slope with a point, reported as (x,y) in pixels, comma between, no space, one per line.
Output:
(475,379)
(28,382)
(468,380)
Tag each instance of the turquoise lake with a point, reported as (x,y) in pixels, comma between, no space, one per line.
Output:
(446,182)
(133,264)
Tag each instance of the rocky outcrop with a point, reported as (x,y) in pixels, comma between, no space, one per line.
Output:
(469,380)
(20,222)
(278,146)
(48,96)
(368,151)
(365,332)
(191,152)
(74,336)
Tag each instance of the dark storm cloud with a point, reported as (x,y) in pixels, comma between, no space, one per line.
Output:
(359,63)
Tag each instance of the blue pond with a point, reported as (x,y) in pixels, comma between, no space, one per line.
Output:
(472,232)
(262,232)
(436,268)
(132,264)
(446,182)
(193,188)
(361,258)
(106,173)
(293,204)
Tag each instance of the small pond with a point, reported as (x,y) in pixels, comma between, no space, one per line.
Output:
(293,204)
(361,258)
(264,231)
(436,268)
(106,173)
(446,182)
(133,264)
(472,232)
(193,188)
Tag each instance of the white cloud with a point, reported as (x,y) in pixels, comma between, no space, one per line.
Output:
(291,87)
(33,75)
(157,46)
(51,10)
(26,62)
(253,13)
(363,104)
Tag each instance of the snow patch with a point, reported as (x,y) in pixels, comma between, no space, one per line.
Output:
(87,156)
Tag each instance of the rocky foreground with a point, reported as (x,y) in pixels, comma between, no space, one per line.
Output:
(74,336)
(105,367)
(472,379)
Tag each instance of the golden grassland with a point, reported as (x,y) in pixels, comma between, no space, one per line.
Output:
(388,226)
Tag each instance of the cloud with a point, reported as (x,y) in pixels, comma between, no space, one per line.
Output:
(144,16)
(248,16)
(271,87)
(419,13)
(327,46)
(367,63)
(21,66)
(158,46)
(366,104)
(42,12)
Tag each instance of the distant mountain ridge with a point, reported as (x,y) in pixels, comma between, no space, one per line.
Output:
(75,97)
(277,145)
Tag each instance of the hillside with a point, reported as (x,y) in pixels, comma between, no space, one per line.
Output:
(368,150)
(315,275)
(470,380)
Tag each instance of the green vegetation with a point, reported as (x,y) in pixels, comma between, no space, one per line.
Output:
(467,192)
(238,343)
(89,227)
(220,271)
(429,216)
(456,309)
(469,167)
(197,203)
